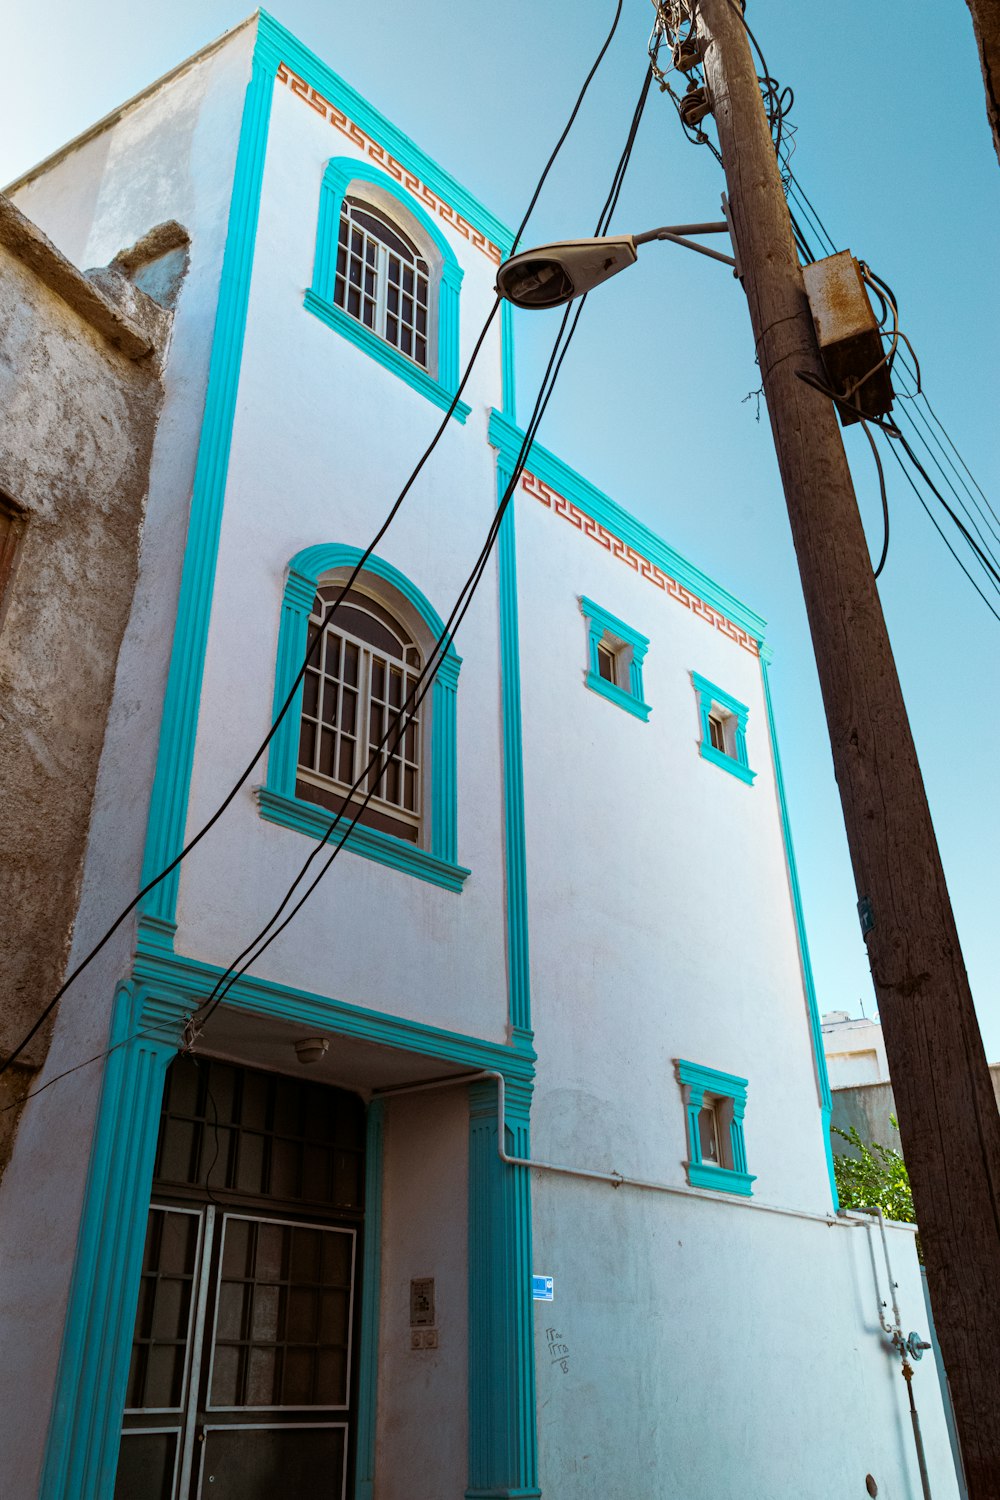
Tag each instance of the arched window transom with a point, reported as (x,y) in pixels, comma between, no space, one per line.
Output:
(382,279)
(352,699)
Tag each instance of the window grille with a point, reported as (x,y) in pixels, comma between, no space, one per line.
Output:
(353,691)
(382,279)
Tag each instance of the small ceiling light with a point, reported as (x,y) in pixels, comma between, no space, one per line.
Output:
(310,1049)
(554,274)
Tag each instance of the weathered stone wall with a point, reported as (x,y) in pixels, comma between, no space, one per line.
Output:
(80,394)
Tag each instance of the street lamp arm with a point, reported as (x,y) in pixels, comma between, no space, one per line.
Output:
(676,238)
(671,230)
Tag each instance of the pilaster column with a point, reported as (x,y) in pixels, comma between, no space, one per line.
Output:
(503,1445)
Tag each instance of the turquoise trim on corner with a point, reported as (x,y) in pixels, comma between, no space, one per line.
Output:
(364,1466)
(697,1081)
(507,438)
(438,385)
(605,627)
(300,59)
(518,960)
(175,756)
(808,982)
(277,800)
(709,697)
(503,1443)
(81,1456)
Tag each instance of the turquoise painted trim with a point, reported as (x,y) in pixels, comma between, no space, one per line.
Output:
(503,1444)
(342,322)
(709,697)
(370,843)
(508,370)
(364,1468)
(696,1081)
(618,696)
(518,956)
(85,1429)
(720,1180)
(606,629)
(193,980)
(439,383)
(277,800)
(808,982)
(288,49)
(175,757)
(506,437)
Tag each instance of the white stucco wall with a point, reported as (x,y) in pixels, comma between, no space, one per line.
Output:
(170,157)
(324,438)
(662,924)
(719,1350)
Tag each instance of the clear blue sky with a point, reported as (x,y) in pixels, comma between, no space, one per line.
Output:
(892,147)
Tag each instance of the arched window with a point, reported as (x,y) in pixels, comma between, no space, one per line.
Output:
(386,278)
(353,697)
(352,690)
(382,279)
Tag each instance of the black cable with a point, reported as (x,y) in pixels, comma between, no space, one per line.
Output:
(885,502)
(393,511)
(937,528)
(266,936)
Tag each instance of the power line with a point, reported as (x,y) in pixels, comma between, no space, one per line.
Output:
(335,604)
(266,936)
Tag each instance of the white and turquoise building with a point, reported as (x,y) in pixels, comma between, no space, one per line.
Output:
(505,1170)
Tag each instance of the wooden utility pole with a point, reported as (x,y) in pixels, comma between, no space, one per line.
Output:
(948,1119)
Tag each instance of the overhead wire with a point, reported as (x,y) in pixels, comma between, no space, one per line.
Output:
(197,1021)
(671,16)
(270,932)
(206,827)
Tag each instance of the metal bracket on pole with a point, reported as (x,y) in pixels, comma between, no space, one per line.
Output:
(677,234)
(737,268)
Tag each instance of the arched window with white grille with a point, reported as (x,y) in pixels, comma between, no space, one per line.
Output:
(387,279)
(351,692)
(355,689)
(382,279)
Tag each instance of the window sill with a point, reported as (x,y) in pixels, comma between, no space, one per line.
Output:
(728,763)
(720,1179)
(617,695)
(370,843)
(363,338)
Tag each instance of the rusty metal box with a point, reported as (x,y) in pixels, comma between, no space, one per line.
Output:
(849,337)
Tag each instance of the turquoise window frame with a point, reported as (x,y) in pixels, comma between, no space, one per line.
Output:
(709,697)
(341,173)
(276,799)
(697,1081)
(601,624)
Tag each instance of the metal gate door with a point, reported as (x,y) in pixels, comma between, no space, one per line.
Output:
(241,1383)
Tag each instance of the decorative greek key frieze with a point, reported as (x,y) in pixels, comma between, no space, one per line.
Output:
(560,506)
(385,159)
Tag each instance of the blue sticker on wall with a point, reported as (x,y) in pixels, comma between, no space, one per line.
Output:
(542,1289)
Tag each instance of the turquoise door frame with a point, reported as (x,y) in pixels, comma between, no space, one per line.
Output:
(149,1020)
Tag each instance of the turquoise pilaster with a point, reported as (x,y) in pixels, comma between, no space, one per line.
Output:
(503,1445)
(364,1485)
(85,1430)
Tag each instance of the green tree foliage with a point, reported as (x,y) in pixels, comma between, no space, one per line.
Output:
(875,1178)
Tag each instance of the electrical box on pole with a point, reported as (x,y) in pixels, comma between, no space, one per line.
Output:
(849,337)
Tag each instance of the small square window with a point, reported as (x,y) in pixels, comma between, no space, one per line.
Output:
(615,653)
(714,1105)
(717,733)
(709,1133)
(723,729)
(607,664)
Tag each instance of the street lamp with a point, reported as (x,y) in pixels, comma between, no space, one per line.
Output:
(554,274)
